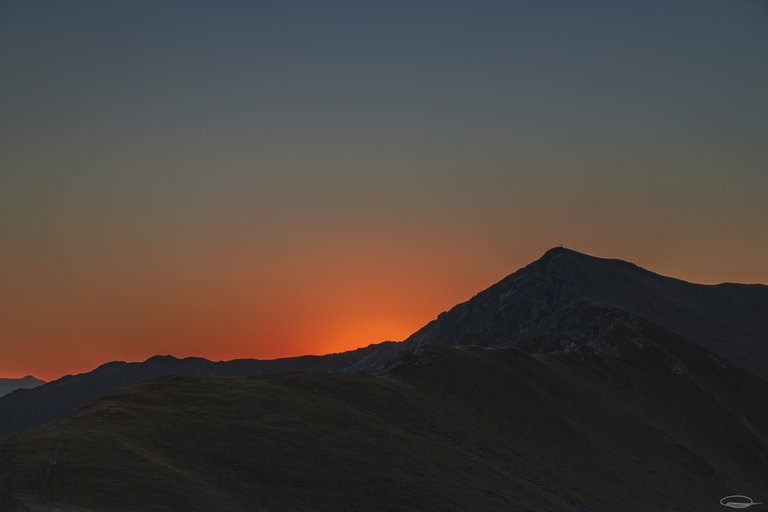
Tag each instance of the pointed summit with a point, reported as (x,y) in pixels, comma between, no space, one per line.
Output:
(558,249)
(564,257)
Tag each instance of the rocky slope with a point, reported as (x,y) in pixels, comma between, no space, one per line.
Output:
(566,300)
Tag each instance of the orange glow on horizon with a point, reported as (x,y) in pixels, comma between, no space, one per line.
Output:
(341,301)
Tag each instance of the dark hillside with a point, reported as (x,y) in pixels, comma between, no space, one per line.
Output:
(453,429)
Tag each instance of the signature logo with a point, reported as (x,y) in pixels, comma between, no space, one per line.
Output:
(739,501)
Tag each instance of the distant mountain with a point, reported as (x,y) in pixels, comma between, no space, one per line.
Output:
(8,385)
(449,429)
(570,301)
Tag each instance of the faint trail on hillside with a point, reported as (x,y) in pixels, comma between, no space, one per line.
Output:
(218,497)
(45,491)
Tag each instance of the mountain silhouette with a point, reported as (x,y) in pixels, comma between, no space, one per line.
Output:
(564,301)
(575,384)
(9,385)
(574,302)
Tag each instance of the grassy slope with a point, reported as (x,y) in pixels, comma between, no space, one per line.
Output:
(466,429)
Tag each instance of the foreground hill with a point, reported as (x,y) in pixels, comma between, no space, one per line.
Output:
(28,408)
(8,385)
(451,429)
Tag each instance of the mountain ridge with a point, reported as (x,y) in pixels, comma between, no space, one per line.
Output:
(564,301)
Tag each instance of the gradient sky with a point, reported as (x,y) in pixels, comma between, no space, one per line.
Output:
(264,179)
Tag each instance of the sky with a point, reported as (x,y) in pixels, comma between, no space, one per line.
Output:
(265,179)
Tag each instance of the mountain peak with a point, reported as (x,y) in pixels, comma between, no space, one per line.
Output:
(564,258)
(552,303)
(559,249)
(565,255)
(560,252)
